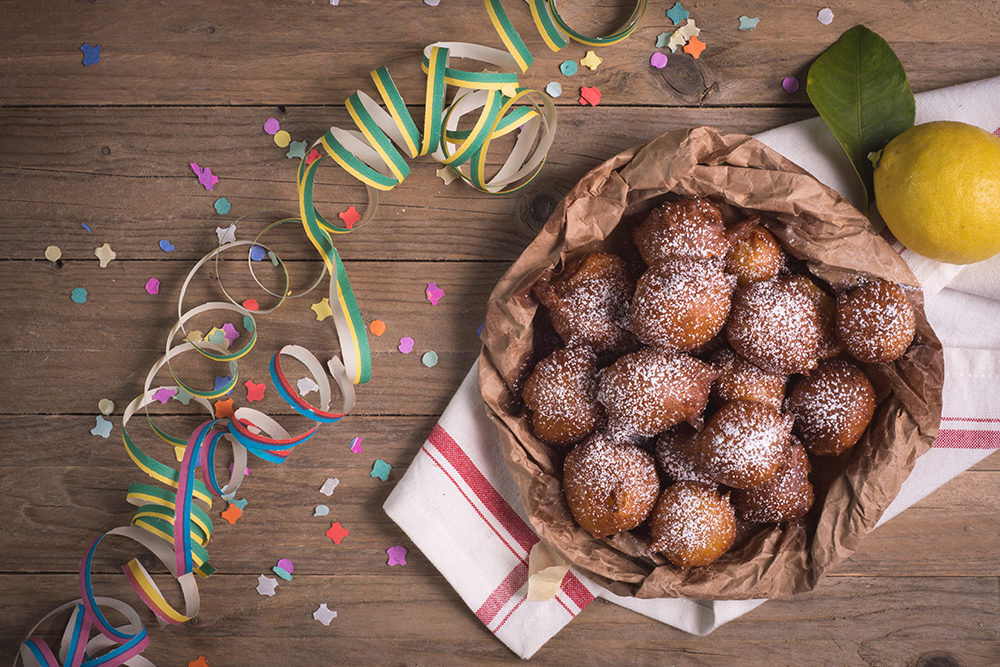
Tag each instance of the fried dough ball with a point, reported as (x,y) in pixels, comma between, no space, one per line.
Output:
(829,345)
(875,321)
(756,255)
(744,444)
(648,391)
(740,380)
(687,228)
(610,486)
(587,300)
(676,457)
(681,303)
(561,393)
(832,407)
(774,325)
(788,496)
(692,524)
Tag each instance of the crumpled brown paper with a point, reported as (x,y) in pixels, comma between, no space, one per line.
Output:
(837,243)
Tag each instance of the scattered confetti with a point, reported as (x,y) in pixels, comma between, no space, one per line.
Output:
(380,469)
(329,485)
(508,90)
(205,176)
(53,253)
(337,533)
(271,126)
(434,293)
(662,40)
(221,381)
(479,331)
(164,394)
(246,473)
(284,569)
(590,95)
(78,295)
(306,385)
(748,23)
(356,445)
(350,217)
(106,406)
(248,323)
(322,309)
(430,359)
(200,662)
(312,156)
(591,60)
(296,149)
(266,585)
(166,246)
(102,428)
(694,46)
(91,54)
(553,89)
(321,510)
(568,67)
(689,30)
(153,286)
(677,13)
(257,253)
(241,503)
(105,254)
(230,332)
(255,392)
(222,206)
(397,555)
(790,84)
(282,139)
(251,305)
(405,344)
(232,515)
(217,336)
(183,396)
(85,226)
(825,16)
(658,60)
(677,39)
(324,614)
(224,408)
(377,327)
(445,174)
(226,234)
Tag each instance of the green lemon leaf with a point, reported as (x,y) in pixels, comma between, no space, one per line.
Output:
(860,90)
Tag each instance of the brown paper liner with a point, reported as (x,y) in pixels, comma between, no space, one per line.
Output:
(838,245)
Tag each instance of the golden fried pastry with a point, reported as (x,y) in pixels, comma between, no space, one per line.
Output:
(648,391)
(587,300)
(692,524)
(755,254)
(561,393)
(676,458)
(687,228)
(740,380)
(875,321)
(774,325)
(788,496)
(680,303)
(744,444)
(609,486)
(829,345)
(832,407)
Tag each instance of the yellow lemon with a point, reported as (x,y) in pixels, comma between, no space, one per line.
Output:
(937,186)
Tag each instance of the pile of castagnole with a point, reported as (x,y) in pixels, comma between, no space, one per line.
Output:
(696,388)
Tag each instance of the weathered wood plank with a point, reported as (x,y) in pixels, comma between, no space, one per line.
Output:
(257,52)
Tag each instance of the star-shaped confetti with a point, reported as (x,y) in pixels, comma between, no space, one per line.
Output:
(200,662)
(397,555)
(381,470)
(164,394)
(590,95)
(434,293)
(102,428)
(662,40)
(226,234)
(322,309)
(183,397)
(219,337)
(312,156)
(224,409)
(221,381)
(446,174)
(306,385)
(240,503)
(232,515)
(337,533)
(266,585)
(230,331)
(689,29)
(105,254)
(296,149)
(255,392)
(676,40)
(324,614)
(677,13)
(205,176)
(591,60)
(350,217)
(748,23)
(329,485)
(91,54)
(695,46)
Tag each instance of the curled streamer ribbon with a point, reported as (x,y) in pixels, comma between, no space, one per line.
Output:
(171,521)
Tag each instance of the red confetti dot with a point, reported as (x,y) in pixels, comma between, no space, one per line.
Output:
(251,304)
(590,95)
(350,217)
(337,533)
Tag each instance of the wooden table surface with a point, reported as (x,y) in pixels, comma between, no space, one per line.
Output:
(184,81)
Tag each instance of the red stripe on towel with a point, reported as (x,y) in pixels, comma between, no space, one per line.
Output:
(502,594)
(968,439)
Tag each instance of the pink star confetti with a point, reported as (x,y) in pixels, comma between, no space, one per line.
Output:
(255,392)
(406,345)
(324,614)
(590,95)
(434,293)
(356,445)
(205,176)
(337,533)
(153,286)
(397,555)
(350,217)
(230,332)
(164,394)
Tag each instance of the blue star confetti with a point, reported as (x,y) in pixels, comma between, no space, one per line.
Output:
(677,13)
(747,23)
(103,427)
(296,149)
(91,54)
(221,381)
(381,470)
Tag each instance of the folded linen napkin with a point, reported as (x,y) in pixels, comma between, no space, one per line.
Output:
(460,507)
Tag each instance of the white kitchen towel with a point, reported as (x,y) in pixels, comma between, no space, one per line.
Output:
(460,507)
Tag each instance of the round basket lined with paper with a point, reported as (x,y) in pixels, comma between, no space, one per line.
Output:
(825,239)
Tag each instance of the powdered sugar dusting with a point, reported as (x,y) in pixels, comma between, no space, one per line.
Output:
(875,322)
(562,394)
(674,455)
(788,496)
(739,379)
(692,524)
(686,228)
(744,443)
(832,407)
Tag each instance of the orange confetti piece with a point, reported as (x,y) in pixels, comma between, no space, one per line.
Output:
(200,662)
(350,216)
(695,46)
(232,514)
(224,409)
(251,304)
(377,327)
(337,533)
